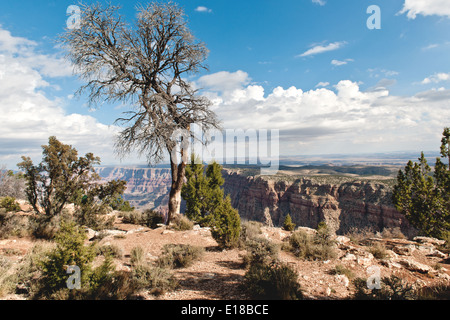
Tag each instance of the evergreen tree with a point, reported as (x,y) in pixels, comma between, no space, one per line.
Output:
(205,202)
(423,196)
(195,191)
(288,225)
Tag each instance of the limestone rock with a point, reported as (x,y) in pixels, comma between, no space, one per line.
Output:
(415,266)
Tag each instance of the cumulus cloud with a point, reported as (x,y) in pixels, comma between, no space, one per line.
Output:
(436,78)
(342,119)
(412,8)
(29,116)
(322,48)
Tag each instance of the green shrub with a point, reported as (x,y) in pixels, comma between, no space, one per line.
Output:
(10,204)
(110,250)
(392,288)
(179,255)
(311,247)
(260,251)
(70,251)
(379,251)
(13,225)
(227,225)
(272,282)
(155,279)
(46,227)
(341,270)
(288,225)
(148,218)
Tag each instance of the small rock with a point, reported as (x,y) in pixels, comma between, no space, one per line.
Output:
(437,253)
(429,240)
(328,291)
(415,266)
(167,232)
(341,278)
(196,227)
(342,239)
(307,230)
(349,257)
(404,250)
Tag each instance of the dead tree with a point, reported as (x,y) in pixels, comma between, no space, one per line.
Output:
(144,65)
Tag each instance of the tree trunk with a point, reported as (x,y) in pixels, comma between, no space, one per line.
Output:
(178,174)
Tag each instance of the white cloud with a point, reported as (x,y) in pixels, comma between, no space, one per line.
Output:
(29,116)
(319,2)
(436,78)
(426,8)
(203,9)
(338,120)
(322,84)
(323,48)
(340,63)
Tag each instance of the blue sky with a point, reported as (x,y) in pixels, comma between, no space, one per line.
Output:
(307,67)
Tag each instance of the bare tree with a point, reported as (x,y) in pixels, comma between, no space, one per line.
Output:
(11,185)
(144,65)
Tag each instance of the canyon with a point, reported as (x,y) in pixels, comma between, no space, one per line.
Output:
(344,202)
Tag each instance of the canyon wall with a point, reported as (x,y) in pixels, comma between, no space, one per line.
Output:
(342,203)
(146,187)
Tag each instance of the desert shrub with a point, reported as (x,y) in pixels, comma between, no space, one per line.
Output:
(179,255)
(435,292)
(46,227)
(392,288)
(93,216)
(28,272)
(12,225)
(156,280)
(392,233)
(10,204)
(180,222)
(272,282)
(260,251)
(110,250)
(288,225)
(341,270)
(311,247)
(7,284)
(357,235)
(379,251)
(11,185)
(446,246)
(148,218)
(137,256)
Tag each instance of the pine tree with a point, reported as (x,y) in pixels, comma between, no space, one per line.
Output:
(423,196)
(206,203)
(288,225)
(195,191)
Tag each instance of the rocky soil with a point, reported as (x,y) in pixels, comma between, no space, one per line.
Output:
(219,274)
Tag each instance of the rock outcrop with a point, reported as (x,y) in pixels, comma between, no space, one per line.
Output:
(146,187)
(342,203)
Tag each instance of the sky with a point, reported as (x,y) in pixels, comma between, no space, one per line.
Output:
(311,68)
